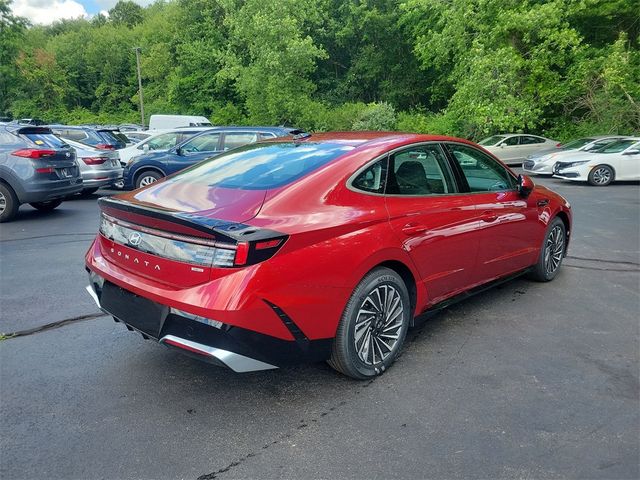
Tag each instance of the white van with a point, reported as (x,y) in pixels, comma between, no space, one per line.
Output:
(174,121)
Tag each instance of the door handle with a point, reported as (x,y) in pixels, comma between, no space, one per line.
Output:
(414,228)
(488,216)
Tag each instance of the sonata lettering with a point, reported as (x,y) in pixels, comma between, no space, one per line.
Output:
(126,256)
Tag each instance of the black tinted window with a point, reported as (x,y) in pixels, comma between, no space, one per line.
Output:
(373,178)
(421,170)
(262,166)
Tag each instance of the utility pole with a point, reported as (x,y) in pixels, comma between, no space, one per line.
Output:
(137,49)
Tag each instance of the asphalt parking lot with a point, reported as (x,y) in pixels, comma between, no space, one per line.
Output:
(527,380)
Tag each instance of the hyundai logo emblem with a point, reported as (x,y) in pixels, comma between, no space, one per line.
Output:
(134,239)
(68,154)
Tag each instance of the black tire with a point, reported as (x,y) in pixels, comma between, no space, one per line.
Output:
(601,176)
(349,354)
(147,177)
(552,252)
(89,191)
(8,203)
(46,206)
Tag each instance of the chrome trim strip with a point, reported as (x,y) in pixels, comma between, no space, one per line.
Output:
(236,362)
(93,294)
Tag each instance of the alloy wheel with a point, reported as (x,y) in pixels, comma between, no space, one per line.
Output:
(601,176)
(378,324)
(554,249)
(3,203)
(147,180)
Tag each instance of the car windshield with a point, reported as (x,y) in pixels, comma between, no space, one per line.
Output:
(492,140)
(617,147)
(576,144)
(262,166)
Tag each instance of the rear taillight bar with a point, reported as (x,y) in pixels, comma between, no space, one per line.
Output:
(105,146)
(94,160)
(184,248)
(33,153)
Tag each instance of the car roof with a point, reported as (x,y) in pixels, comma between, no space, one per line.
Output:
(240,128)
(369,138)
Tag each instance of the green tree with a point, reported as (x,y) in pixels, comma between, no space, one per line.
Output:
(126,12)
(12,31)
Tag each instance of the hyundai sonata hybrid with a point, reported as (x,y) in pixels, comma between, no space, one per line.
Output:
(322,247)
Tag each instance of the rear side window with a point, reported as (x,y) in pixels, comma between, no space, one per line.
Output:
(526,140)
(421,170)
(262,166)
(77,135)
(45,140)
(373,178)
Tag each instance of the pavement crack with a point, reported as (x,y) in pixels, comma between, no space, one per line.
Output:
(603,260)
(284,436)
(52,325)
(45,236)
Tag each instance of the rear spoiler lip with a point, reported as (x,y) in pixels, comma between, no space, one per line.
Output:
(228,231)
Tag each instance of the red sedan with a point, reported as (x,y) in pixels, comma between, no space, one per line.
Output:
(323,247)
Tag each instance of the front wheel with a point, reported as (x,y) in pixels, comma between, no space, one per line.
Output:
(46,206)
(551,252)
(600,176)
(147,178)
(373,325)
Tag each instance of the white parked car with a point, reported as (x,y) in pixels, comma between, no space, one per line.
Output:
(617,161)
(175,121)
(542,163)
(160,141)
(512,149)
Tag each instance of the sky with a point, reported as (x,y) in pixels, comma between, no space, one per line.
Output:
(45,12)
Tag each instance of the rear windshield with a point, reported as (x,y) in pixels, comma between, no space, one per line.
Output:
(110,137)
(46,140)
(576,144)
(262,166)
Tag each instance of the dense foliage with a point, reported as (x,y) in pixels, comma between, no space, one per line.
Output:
(464,67)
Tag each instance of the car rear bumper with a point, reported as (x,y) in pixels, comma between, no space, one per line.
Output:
(101,178)
(50,190)
(240,349)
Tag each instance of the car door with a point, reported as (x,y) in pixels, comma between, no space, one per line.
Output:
(528,144)
(435,224)
(507,233)
(194,150)
(627,163)
(507,150)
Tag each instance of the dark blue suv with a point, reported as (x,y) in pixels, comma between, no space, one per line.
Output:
(148,168)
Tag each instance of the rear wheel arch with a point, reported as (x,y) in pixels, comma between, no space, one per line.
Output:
(407,277)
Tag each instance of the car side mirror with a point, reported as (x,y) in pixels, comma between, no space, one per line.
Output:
(633,151)
(145,148)
(525,185)
(179,151)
